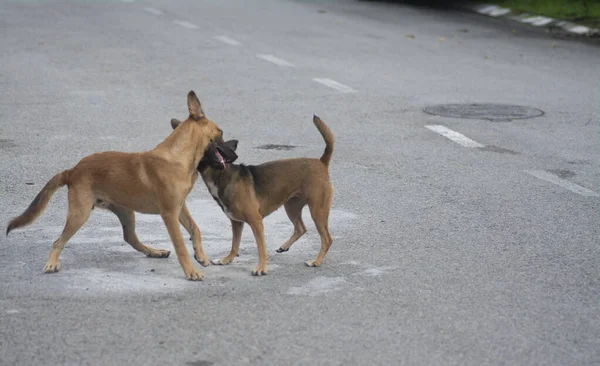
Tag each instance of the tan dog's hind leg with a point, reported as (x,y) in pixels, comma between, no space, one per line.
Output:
(236,229)
(320,215)
(171,219)
(185,218)
(259,236)
(293,208)
(80,206)
(127,219)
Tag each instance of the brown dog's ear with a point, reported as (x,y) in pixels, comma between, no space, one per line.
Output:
(232,144)
(194,106)
(175,123)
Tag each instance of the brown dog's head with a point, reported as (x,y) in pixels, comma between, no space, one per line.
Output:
(218,153)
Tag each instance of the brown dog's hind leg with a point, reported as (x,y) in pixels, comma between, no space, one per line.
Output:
(236,229)
(185,218)
(293,208)
(320,215)
(127,219)
(80,206)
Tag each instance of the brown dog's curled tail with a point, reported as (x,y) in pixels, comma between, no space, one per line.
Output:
(327,136)
(39,203)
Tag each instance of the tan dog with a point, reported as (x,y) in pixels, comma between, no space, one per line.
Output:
(248,193)
(152,182)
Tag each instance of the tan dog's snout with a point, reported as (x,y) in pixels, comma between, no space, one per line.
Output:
(218,153)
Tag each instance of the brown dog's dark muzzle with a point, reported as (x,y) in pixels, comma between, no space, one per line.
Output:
(226,152)
(218,154)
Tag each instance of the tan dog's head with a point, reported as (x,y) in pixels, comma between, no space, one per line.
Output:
(218,152)
(210,135)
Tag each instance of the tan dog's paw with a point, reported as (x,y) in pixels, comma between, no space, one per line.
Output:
(159,253)
(222,261)
(52,267)
(194,275)
(312,263)
(259,271)
(204,262)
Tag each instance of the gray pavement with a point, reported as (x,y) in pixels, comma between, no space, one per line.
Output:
(442,255)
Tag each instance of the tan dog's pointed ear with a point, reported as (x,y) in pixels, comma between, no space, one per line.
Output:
(194,106)
(175,123)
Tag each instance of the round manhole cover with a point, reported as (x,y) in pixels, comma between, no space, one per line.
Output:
(492,112)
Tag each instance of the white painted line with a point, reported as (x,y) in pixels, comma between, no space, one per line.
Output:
(499,12)
(335,85)
(549,177)
(492,10)
(484,9)
(454,136)
(185,24)
(227,40)
(275,60)
(579,29)
(537,20)
(574,28)
(153,11)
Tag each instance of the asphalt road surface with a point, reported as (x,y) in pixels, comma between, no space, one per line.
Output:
(456,241)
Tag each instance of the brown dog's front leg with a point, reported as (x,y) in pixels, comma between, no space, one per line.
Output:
(171,220)
(259,236)
(236,229)
(185,218)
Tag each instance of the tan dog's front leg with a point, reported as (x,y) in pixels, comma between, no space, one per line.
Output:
(185,218)
(171,219)
(259,236)
(236,229)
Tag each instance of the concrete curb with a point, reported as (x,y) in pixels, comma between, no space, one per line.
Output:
(535,20)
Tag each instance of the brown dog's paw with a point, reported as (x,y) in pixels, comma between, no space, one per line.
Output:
(312,263)
(259,272)
(221,262)
(52,267)
(159,253)
(204,262)
(194,275)
(282,250)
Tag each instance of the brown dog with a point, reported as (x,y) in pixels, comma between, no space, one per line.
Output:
(152,182)
(248,193)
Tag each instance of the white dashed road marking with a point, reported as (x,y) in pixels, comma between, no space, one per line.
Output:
(579,29)
(153,11)
(492,10)
(549,177)
(335,85)
(275,60)
(454,136)
(185,24)
(227,40)
(537,20)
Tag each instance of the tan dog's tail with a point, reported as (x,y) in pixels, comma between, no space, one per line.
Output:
(39,203)
(328,137)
